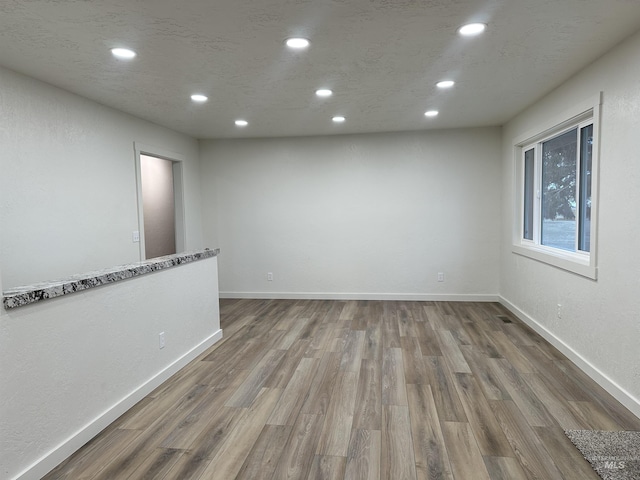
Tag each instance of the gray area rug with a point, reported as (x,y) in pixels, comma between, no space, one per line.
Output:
(614,455)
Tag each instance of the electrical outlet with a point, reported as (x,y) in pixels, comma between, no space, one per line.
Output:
(441,276)
(559,311)
(135,236)
(270,277)
(161,340)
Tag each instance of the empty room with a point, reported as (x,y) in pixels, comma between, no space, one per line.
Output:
(319,240)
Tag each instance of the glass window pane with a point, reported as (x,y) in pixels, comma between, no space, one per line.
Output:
(586,142)
(529,159)
(559,190)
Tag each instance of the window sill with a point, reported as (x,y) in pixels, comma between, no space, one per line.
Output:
(575,263)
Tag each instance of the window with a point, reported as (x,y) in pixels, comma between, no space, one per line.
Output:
(529,181)
(556,185)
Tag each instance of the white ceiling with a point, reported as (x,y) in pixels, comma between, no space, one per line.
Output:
(382,58)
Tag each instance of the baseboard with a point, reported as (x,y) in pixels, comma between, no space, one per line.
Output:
(420,297)
(619,393)
(52,459)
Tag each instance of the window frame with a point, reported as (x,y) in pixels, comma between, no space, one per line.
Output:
(579,262)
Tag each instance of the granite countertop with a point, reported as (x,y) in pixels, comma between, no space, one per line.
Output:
(19,296)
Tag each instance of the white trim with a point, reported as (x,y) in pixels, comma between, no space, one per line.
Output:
(420,297)
(52,459)
(179,206)
(566,261)
(138,167)
(620,394)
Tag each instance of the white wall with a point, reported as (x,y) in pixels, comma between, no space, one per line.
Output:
(600,325)
(67,182)
(359,216)
(69,366)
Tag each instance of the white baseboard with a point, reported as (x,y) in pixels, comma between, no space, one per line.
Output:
(56,456)
(619,393)
(420,297)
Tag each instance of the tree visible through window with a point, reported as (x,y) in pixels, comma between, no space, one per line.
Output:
(560,167)
(559,191)
(529,184)
(586,165)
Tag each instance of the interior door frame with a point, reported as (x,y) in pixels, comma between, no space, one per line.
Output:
(177,161)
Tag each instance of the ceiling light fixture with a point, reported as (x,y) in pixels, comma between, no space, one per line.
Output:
(338,119)
(297,43)
(324,92)
(241,123)
(198,97)
(123,53)
(431,113)
(472,29)
(445,84)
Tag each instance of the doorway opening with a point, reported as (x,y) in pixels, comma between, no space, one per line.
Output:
(160,203)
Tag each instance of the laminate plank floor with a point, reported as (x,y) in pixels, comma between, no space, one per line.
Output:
(311,389)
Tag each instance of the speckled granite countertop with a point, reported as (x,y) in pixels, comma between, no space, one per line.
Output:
(19,296)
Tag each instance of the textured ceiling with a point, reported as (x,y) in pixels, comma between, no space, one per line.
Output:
(382,58)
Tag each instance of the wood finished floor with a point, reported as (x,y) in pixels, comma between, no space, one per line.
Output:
(360,390)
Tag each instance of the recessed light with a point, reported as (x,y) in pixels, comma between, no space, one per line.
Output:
(198,97)
(324,92)
(445,84)
(338,119)
(297,43)
(472,29)
(123,53)
(241,123)
(431,113)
